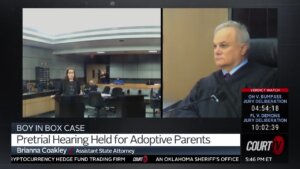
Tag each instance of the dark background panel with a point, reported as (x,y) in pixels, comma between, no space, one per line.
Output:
(289,62)
(261,22)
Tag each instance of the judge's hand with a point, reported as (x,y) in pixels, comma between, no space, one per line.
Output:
(52,96)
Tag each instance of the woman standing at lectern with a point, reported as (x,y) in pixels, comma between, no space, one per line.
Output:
(70,85)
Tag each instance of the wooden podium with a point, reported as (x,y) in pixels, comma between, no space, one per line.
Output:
(69,106)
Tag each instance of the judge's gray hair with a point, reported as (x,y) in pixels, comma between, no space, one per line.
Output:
(242,32)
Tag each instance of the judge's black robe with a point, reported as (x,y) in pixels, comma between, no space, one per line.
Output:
(213,96)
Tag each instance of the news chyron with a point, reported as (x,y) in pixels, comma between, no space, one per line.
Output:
(263,139)
(264,125)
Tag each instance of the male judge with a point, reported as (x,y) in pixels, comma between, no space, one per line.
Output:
(219,94)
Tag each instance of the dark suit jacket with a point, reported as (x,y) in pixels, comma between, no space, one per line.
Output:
(64,88)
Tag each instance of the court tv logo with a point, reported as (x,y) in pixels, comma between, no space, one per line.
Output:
(275,146)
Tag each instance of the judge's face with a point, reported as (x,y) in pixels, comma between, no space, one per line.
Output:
(71,74)
(228,51)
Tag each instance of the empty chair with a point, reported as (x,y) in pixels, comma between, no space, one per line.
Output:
(95,100)
(117,91)
(264,51)
(151,93)
(159,92)
(128,91)
(106,90)
(155,102)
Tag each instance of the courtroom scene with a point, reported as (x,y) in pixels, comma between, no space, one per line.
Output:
(91,63)
(210,55)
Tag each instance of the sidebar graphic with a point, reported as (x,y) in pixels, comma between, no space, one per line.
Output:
(264,136)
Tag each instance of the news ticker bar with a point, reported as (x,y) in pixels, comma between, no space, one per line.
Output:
(125,140)
(128,159)
(64,151)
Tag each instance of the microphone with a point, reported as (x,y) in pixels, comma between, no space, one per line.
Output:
(214,97)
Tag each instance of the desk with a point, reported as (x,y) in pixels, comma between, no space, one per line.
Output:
(69,107)
(128,105)
(35,103)
(125,106)
(131,86)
